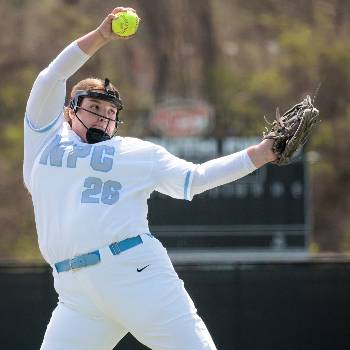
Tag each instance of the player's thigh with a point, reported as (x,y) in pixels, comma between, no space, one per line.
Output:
(69,329)
(176,329)
(158,311)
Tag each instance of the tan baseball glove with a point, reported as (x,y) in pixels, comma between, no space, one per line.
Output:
(291,130)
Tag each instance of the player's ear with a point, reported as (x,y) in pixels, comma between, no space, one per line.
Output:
(69,114)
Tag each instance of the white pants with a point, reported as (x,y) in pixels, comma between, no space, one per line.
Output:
(99,304)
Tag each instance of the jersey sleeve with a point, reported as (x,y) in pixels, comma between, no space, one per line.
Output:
(47,97)
(220,171)
(45,106)
(34,141)
(172,175)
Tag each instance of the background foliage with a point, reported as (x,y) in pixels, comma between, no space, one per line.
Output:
(244,56)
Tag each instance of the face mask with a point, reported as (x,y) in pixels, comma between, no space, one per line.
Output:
(94,135)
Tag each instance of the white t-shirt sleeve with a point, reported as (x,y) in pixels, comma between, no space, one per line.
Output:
(172,175)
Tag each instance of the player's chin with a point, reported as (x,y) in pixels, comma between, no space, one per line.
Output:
(108,132)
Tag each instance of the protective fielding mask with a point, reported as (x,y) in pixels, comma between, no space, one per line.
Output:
(94,135)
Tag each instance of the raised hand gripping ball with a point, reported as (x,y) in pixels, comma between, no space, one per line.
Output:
(125,23)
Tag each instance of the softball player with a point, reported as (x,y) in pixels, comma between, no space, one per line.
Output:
(89,190)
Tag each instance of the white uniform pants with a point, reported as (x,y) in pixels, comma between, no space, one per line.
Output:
(99,304)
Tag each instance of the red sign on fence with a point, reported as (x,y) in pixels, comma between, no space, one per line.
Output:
(179,118)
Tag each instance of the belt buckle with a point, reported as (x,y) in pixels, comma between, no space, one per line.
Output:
(115,248)
(72,263)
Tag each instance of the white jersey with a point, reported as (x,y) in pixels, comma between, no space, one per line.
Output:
(88,196)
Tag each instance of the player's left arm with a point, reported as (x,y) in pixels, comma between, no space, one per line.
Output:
(261,153)
(181,179)
(223,170)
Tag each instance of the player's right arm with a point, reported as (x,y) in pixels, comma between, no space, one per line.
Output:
(94,40)
(47,96)
(45,106)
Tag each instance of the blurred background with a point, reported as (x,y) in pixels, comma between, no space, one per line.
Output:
(234,60)
(198,78)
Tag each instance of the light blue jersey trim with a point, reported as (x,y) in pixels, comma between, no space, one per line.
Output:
(187,185)
(45,128)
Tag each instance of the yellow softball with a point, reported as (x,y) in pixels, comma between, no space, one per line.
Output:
(125,23)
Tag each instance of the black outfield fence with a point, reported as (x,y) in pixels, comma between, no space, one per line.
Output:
(246,306)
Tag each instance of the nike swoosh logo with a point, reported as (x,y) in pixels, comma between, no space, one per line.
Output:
(139,270)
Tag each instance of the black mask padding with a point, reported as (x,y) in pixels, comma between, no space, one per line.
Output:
(94,135)
(107,95)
